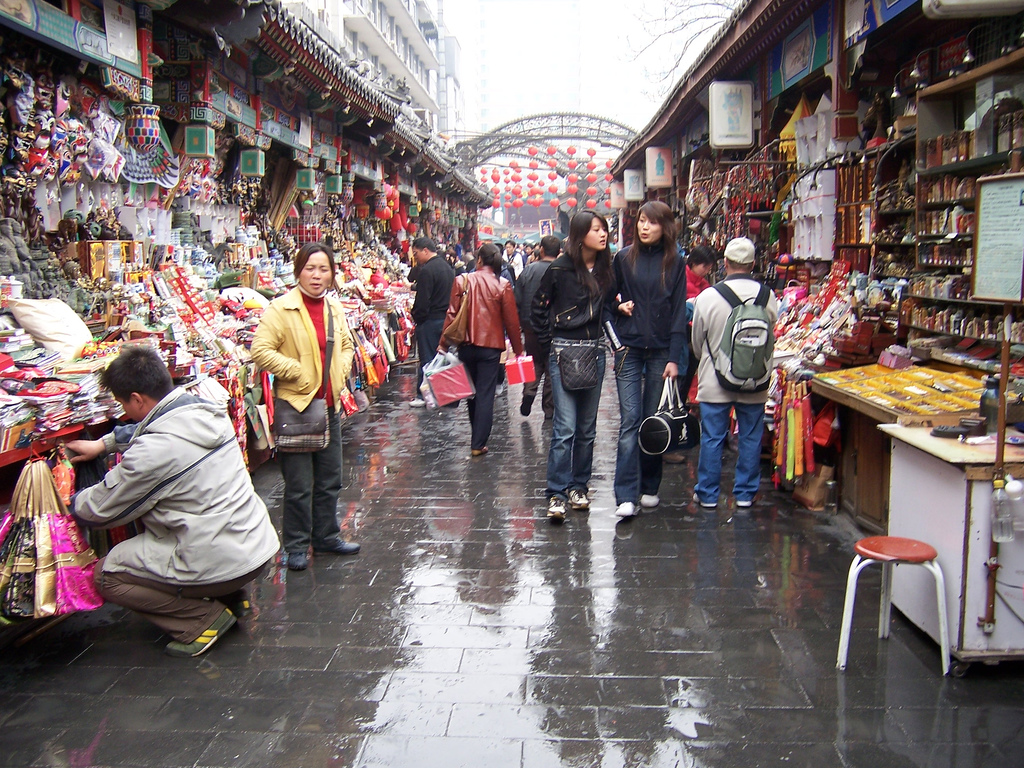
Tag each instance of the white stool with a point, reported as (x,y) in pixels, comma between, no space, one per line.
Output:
(890,551)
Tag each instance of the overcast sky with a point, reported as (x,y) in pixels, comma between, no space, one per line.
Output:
(616,80)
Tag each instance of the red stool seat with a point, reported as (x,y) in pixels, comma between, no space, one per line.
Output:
(891,549)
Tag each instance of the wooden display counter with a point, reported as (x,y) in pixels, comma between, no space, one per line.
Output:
(863,472)
(940,493)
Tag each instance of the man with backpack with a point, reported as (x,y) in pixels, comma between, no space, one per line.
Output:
(733,324)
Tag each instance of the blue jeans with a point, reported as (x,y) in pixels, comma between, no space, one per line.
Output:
(571,457)
(638,375)
(714,423)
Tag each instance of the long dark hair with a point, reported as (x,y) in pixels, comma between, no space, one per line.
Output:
(658,213)
(598,281)
(489,255)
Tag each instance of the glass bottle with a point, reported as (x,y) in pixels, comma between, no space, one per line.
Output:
(989,405)
(1002,513)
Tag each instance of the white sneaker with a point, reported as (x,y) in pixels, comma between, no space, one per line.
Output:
(744,503)
(649,501)
(626,509)
(419,402)
(500,389)
(705,504)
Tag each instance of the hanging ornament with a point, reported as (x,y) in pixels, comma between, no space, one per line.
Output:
(591,203)
(534,164)
(609,177)
(591,165)
(570,151)
(532,176)
(571,202)
(607,203)
(591,177)
(552,163)
(591,191)
(572,165)
(517,203)
(495,176)
(517,177)
(514,165)
(553,189)
(552,151)
(554,202)
(591,152)
(532,151)
(608,163)
(552,175)
(573,178)
(572,189)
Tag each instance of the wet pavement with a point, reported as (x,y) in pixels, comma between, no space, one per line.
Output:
(470,632)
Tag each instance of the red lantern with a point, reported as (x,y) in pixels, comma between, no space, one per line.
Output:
(496,190)
(532,176)
(609,177)
(495,176)
(591,165)
(517,177)
(572,165)
(591,177)
(591,203)
(532,151)
(607,203)
(552,163)
(496,204)
(608,163)
(514,165)
(411,227)
(534,164)
(591,152)
(506,171)
(517,204)
(552,175)
(571,189)
(554,202)
(552,151)
(508,205)
(571,202)
(572,178)
(553,189)
(570,151)
(591,191)
(517,190)
(508,197)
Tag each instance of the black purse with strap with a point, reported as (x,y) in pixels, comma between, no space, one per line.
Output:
(308,430)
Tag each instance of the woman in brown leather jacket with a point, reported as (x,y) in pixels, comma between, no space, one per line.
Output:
(492,315)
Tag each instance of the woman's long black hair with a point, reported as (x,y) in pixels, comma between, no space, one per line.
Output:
(600,280)
(658,213)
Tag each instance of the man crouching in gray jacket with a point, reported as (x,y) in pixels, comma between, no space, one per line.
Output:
(207,534)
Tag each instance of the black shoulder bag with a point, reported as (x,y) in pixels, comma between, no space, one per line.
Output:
(308,430)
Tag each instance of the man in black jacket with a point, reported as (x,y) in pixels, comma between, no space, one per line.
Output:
(526,287)
(434,278)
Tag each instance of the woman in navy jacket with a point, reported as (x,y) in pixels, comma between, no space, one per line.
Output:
(649,318)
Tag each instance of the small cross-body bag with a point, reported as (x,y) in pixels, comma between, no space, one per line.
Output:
(307,430)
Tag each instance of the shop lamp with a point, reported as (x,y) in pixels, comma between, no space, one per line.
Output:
(896,93)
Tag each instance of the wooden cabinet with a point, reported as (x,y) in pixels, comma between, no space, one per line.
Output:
(864,470)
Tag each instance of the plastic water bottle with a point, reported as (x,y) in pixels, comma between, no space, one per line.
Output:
(1002,513)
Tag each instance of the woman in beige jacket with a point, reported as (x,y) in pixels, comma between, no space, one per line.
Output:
(291,343)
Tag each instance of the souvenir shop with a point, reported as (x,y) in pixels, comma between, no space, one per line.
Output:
(872,151)
(156,180)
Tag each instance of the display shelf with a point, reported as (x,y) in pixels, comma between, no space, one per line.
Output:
(949,333)
(42,445)
(966,166)
(853,245)
(953,301)
(952,237)
(896,211)
(856,204)
(940,205)
(894,244)
(967,80)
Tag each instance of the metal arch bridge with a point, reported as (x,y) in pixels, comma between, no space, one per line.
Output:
(512,139)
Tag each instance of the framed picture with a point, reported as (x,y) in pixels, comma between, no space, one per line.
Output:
(731,114)
(659,167)
(634,185)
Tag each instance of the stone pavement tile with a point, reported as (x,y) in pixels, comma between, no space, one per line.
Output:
(204,678)
(240,749)
(292,750)
(400,718)
(522,721)
(355,659)
(439,636)
(744,753)
(272,683)
(494,660)
(109,745)
(30,745)
(53,678)
(388,751)
(479,688)
(1002,727)
(744,693)
(581,690)
(212,714)
(601,753)
(83,710)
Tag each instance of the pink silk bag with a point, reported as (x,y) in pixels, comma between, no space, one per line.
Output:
(75,561)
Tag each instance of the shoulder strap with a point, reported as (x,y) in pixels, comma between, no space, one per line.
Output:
(763,294)
(728,294)
(330,345)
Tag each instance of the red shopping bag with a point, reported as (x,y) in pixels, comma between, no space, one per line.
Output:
(449,381)
(519,370)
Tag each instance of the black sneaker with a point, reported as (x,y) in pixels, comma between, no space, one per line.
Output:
(206,639)
(238,603)
(338,547)
(297,561)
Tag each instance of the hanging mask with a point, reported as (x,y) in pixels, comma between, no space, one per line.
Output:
(62,98)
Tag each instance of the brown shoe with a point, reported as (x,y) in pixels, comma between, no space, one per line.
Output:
(674,457)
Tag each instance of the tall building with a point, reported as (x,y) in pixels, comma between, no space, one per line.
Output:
(395,40)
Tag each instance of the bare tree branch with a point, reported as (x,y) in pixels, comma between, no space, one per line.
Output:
(681,24)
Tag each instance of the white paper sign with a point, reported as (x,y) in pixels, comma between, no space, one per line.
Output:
(999,243)
(122,39)
(634,183)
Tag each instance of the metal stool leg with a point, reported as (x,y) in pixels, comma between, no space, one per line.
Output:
(856,567)
(940,594)
(885,602)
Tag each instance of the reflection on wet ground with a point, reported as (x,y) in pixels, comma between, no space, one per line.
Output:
(469,632)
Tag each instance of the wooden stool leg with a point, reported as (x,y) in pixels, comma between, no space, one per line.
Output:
(940,594)
(856,567)
(885,602)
